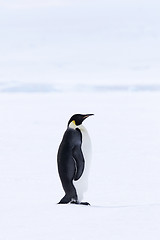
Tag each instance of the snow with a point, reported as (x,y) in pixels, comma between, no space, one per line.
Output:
(124,179)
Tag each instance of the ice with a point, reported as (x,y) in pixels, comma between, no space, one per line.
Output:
(124,178)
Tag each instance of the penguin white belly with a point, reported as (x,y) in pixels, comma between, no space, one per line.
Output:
(82,184)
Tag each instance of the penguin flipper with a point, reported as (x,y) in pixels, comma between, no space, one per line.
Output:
(79,161)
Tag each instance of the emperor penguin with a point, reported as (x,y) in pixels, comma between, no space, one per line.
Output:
(73,160)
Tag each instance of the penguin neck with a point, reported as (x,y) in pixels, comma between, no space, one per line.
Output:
(80,127)
(73,126)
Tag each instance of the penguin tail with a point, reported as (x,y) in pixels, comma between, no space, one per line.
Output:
(67,199)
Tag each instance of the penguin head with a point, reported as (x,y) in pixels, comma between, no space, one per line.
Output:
(77,119)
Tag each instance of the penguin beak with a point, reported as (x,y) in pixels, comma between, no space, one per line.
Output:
(87,115)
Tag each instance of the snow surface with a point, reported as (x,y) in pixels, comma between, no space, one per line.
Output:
(124,179)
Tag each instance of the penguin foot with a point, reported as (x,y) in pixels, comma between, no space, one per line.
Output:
(74,202)
(80,203)
(85,203)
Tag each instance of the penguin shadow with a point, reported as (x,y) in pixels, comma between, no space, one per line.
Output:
(112,206)
(127,205)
